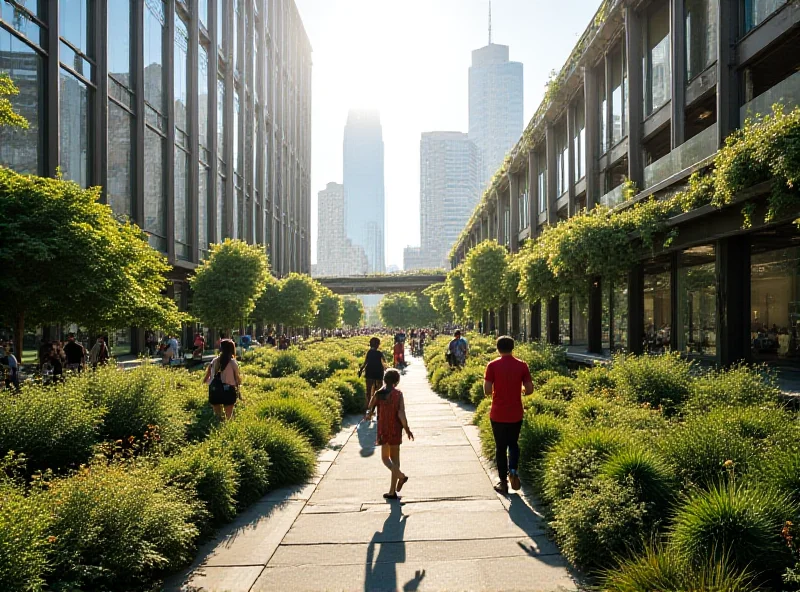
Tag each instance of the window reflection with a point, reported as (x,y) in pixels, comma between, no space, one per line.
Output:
(697,301)
(602,119)
(119,47)
(580,320)
(564,307)
(658,70)
(542,180)
(120,122)
(618,81)
(701,36)
(657,308)
(74,17)
(757,11)
(74,128)
(579,141)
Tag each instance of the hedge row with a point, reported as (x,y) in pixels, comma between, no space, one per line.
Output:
(660,475)
(109,480)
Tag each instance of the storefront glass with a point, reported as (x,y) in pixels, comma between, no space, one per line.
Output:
(580,320)
(564,305)
(657,309)
(775,306)
(619,316)
(697,301)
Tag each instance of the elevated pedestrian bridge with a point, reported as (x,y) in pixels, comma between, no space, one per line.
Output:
(380,284)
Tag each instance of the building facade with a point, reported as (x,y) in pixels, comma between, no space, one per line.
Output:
(650,93)
(448,192)
(495,106)
(336,254)
(193,117)
(363,185)
(413,259)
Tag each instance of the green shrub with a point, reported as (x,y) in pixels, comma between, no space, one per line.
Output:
(538,404)
(739,524)
(539,432)
(482,411)
(209,472)
(24,545)
(476,394)
(589,410)
(600,521)
(596,380)
(340,362)
(347,393)
(252,465)
(487,437)
(739,385)
(659,381)
(292,459)
(54,427)
(359,384)
(642,469)
(315,372)
(436,378)
(783,471)
(300,414)
(660,568)
(540,378)
(558,387)
(118,526)
(285,363)
(542,356)
(576,460)
(459,383)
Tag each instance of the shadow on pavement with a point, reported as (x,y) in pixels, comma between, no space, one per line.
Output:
(381,570)
(366,438)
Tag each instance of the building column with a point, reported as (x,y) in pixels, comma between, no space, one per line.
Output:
(552,336)
(99,173)
(727,83)
(733,299)
(636,309)
(633,48)
(52,126)
(550,144)
(592,136)
(138,153)
(678,63)
(596,316)
(513,201)
(533,185)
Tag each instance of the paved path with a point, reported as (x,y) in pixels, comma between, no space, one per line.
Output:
(451,531)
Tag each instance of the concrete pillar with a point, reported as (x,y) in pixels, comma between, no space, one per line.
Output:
(513,201)
(550,145)
(727,83)
(677,12)
(592,137)
(633,47)
(733,299)
(636,309)
(552,321)
(596,316)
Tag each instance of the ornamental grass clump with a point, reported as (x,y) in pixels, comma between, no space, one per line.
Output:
(658,381)
(740,385)
(251,464)
(741,525)
(301,415)
(53,427)
(558,387)
(292,458)
(538,434)
(647,473)
(596,380)
(285,363)
(352,393)
(538,404)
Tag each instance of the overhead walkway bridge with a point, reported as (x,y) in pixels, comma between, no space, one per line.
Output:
(380,284)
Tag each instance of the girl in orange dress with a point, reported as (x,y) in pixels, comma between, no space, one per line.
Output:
(391,423)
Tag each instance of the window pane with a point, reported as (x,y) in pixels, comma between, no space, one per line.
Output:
(564,305)
(756,11)
(221,118)
(579,141)
(619,325)
(73,21)
(701,36)
(616,97)
(657,311)
(153,51)
(74,132)
(202,11)
(181,204)
(697,301)
(542,182)
(21,149)
(658,75)
(202,91)
(181,82)
(119,160)
(119,45)
(237,120)
(22,23)
(221,12)
(235,34)
(155,218)
(603,116)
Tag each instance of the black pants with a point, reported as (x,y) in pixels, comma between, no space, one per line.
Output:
(506,436)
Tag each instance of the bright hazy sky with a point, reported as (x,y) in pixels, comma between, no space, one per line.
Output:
(410,60)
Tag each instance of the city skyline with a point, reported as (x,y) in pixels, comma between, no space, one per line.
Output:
(360,61)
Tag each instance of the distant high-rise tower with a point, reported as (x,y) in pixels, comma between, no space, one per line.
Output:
(495,104)
(449,188)
(336,254)
(363,185)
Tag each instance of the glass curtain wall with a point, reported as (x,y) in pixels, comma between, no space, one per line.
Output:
(657,307)
(701,36)
(222,222)
(121,105)
(181,93)
(564,313)
(204,171)
(697,301)
(657,58)
(618,94)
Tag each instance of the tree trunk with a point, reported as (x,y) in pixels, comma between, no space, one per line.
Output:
(19,331)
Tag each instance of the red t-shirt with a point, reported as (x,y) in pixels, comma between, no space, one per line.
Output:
(507,374)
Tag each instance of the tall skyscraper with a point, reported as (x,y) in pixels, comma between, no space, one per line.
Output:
(363,185)
(495,104)
(336,254)
(449,188)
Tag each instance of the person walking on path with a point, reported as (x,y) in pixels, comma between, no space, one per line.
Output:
(9,368)
(223,378)
(99,353)
(391,423)
(504,380)
(76,354)
(458,350)
(373,368)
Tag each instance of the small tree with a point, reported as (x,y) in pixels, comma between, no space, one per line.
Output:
(269,305)
(456,293)
(329,310)
(226,285)
(299,298)
(484,270)
(353,312)
(440,301)
(399,310)
(65,258)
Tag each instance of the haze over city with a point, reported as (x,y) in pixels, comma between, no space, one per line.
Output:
(411,64)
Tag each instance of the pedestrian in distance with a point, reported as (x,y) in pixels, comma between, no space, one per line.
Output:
(373,368)
(98,355)
(504,380)
(76,354)
(223,380)
(9,368)
(392,422)
(457,350)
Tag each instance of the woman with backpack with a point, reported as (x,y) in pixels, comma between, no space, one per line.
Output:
(223,380)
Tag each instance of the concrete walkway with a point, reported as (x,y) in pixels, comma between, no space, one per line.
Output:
(450,531)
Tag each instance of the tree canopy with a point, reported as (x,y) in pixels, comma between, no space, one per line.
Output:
(268,309)
(456,292)
(398,310)
(226,285)
(299,299)
(484,269)
(65,258)
(440,301)
(353,312)
(329,309)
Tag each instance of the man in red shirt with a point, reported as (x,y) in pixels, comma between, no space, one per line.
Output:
(504,380)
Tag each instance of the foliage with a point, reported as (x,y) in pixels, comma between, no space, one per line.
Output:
(8,117)
(658,381)
(440,301)
(24,544)
(558,387)
(399,310)
(602,519)
(647,473)
(329,310)
(225,286)
(456,293)
(54,233)
(539,433)
(290,452)
(300,297)
(268,307)
(739,385)
(484,270)
(299,414)
(353,312)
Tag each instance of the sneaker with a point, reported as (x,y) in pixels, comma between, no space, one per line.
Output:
(501,488)
(513,478)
